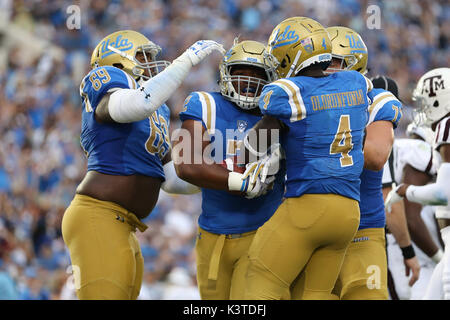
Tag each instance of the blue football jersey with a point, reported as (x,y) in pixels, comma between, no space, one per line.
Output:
(384,107)
(121,148)
(227,124)
(325,118)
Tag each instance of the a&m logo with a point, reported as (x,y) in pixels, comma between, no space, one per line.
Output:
(122,44)
(283,38)
(432,84)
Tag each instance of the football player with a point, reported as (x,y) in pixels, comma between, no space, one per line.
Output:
(322,120)
(228,220)
(366,254)
(411,161)
(126,139)
(433,96)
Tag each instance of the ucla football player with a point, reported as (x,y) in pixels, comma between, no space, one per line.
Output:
(232,208)
(126,139)
(322,120)
(432,93)
(366,254)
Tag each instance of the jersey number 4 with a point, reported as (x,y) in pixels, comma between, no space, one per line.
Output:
(342,142)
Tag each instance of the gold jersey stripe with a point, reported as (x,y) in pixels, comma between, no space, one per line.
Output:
(296,98)
(208,117)
(380,97)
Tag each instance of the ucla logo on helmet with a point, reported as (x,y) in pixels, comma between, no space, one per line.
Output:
(284,38)
(356,44)
(122,44)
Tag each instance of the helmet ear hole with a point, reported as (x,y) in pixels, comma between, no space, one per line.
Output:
(436,104)
(283,63)
(118,65)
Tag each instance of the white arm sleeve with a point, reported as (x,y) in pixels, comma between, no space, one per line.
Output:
(174,184)
(130,105)
(435,193)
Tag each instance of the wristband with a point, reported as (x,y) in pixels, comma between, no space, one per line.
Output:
(437,256)
(408,252)
(235,182)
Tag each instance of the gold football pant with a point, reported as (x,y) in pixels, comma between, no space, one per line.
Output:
(305,239)
(222,261)
(363,274)
(106,257)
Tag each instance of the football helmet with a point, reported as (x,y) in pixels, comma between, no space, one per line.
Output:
(243,90)
(349,49)
(432,95)
(297,43)
(120,49)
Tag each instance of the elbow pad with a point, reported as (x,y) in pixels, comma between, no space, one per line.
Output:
(436,194)
(174,184)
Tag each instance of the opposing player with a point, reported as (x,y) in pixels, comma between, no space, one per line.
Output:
(322,120)
(125,136)
(411,161)
(228,220)
(367,249)
(433,96)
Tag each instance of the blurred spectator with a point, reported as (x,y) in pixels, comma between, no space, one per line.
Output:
(42,63)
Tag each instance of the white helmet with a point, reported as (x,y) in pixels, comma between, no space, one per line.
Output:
(432,94)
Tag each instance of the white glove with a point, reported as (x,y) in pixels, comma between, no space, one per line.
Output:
(392,197)
(250,182)
(266,166)
(260,188)
(201,49)
(271,162)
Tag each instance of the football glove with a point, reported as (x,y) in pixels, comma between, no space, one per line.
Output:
(392,197)
(201,49)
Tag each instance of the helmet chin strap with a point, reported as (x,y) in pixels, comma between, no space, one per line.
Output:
(292,68)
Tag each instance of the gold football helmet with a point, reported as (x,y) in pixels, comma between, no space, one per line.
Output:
(121,48)
(349,50)
(241,89)
(297,43)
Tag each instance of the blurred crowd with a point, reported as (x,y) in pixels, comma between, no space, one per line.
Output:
(42,62)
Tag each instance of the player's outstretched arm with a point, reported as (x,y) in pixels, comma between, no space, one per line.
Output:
(192,163)
(130,105)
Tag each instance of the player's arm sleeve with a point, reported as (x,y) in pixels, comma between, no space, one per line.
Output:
(173,184)
(436,193)
(100,81)
(200,106)
(283,100)
(385,106)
